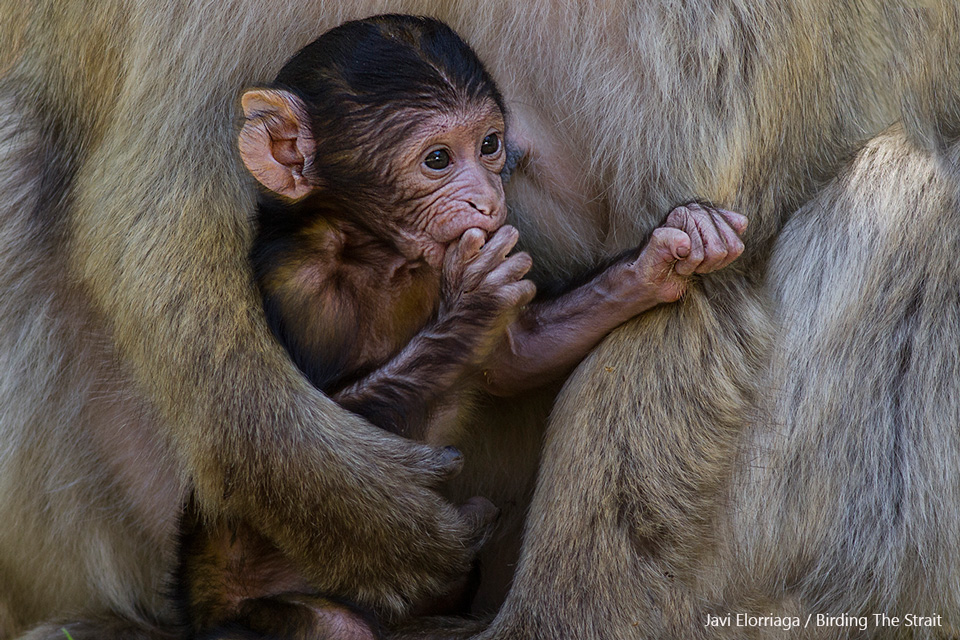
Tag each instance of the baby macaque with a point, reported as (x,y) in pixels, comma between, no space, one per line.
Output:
(386,268)
(382,253)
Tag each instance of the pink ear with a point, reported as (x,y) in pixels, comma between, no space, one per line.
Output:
(276,142)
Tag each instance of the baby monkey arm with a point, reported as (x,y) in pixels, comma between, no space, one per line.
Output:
(551,336)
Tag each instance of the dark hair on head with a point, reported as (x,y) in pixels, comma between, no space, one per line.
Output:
(362,80)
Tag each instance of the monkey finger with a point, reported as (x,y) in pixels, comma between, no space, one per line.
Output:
(471,242)
(708,223)
(466,248)
(525,291)
(516,294)
(482,516)
(512,269)
(480,508)
(502,242)
(491,256)
(668,244)
(734,245)
(447,463)
(738,222)
(459,254)
(685,219)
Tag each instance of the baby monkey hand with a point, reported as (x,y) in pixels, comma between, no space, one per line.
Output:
(480,275)
(694,238)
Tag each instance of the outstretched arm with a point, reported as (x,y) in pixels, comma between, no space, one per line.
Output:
(551,337)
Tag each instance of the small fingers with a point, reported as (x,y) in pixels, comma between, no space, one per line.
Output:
(482,515)
(502,242)
(461,268)
(511,269)
(736,221)
(670,244)
(704,222)
(730,237)
(714,235)
(466,248)
(519,293)
(489,257)
(447,464)
(688,219)
(684,220)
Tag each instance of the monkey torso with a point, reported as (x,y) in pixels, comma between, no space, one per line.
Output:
(342,300)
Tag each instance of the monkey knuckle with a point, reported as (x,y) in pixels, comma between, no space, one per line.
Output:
(703,220)
(715,255)
(472,237)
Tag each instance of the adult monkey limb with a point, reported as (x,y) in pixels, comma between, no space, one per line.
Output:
(769,100)
(100,371)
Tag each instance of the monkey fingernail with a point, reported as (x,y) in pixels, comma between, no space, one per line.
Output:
(481,511)
(452,461)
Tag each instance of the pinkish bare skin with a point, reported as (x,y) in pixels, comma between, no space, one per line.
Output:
(549,338)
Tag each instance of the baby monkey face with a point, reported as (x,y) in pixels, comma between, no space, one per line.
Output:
(447,177)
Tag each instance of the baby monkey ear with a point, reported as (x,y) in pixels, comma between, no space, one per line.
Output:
(276,142)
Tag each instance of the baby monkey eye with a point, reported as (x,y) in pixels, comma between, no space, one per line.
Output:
(437,159)
(490,145)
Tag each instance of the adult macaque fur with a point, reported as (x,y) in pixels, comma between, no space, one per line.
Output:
(136,359)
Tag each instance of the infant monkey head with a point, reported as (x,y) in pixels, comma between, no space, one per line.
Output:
(389,123)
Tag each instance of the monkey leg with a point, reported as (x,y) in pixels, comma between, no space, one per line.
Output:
(853,488)
(636,458)
(232,583)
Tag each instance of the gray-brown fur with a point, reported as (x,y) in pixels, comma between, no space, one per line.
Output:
(120,319)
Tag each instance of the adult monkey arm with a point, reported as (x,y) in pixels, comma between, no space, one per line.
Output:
(240,419)
(256,440)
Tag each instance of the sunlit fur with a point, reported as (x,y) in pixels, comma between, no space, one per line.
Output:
(677,465)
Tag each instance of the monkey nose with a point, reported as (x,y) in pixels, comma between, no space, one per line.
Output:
(484,209)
